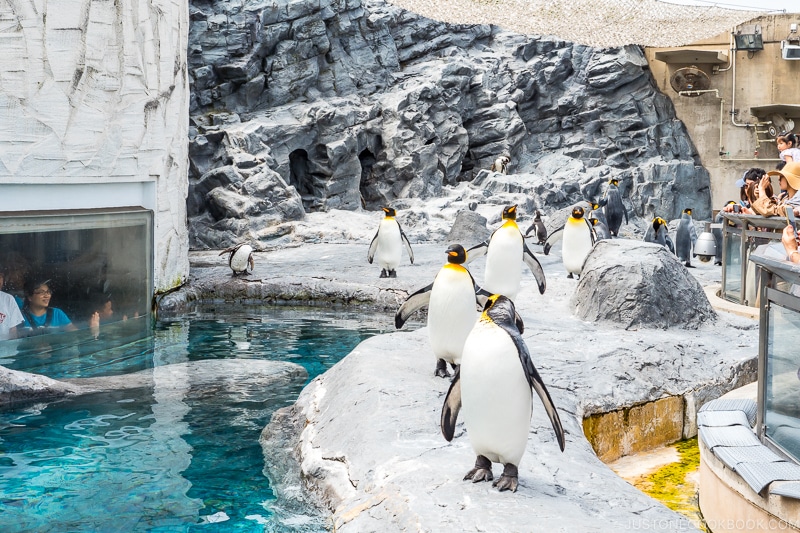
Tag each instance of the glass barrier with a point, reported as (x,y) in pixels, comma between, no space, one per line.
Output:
(77,269)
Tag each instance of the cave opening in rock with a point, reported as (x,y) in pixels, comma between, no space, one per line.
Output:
(371,198)
(301,178)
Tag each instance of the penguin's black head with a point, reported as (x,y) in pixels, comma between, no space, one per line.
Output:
(456,254)
(500,309)
(577,212)
(594,221)
(657,222)
(595,205)
(390,212)
(510,213)
(614,182)
(688,211)
(537,216)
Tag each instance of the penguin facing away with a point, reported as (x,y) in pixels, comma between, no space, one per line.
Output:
(451,300)
(658,232)
(241,256)
(494,387)
(538,225)
(504,250)
(685,238)
(599,228)
(717,234)
(387,244)
(579,238)
(614,208)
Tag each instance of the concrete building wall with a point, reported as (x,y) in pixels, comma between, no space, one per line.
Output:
(728,142)
(94,113)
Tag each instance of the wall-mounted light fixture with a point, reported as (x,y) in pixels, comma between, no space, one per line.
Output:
(749,38)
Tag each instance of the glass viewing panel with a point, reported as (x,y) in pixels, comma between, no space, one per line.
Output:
(92,261)
(782,387)
(733,267)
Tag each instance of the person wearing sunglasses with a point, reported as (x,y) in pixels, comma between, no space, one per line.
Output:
(39,317)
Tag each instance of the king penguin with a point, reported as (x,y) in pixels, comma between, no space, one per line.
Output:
(578,237)
(452,310)
(494,386)
(504,250)
(658,233)
(387,244)
(685,238)
(601,232)
(613,207)
(241,256)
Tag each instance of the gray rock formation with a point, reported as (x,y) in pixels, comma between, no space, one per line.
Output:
(354,105)
(469,228)
(635,284)
(19,387)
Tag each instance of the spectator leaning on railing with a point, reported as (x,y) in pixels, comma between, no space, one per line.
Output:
(789,179)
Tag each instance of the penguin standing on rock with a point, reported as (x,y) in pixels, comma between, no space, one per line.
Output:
(451,301)
(501,164)
(494,386)
(578,236)
(241,256)
(600,229)
(387,244)
(685,238)
(614,208)
(504,250)
(657,232)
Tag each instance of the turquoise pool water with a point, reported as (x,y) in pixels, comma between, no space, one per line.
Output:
(180,455)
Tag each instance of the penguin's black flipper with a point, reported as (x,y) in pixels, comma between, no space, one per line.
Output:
(670,244)
(479,250)
(406,243)
(373,246)
(534,266)
(412,304)
(591,231)
(451,407)
(535,382)
(552,239)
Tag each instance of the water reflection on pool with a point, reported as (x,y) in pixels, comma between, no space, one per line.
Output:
(177,451)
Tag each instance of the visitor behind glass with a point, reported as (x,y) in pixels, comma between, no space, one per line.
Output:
(10,315)
(39,317)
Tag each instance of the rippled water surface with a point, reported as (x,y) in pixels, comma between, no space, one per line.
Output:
(174,447)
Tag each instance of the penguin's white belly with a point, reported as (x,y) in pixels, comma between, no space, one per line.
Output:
(504,263)
(389,245)
(451,313)
(577,243)
(495,396)
(240,258)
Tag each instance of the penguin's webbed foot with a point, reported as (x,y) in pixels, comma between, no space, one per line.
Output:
(718,263)
(508,480)
(481,472)
(441,369)
(392,273)
(383,273)
(689,264)
(570,276)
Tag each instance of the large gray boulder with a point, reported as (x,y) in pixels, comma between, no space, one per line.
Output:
(359,104)
(634,284)
(20,387)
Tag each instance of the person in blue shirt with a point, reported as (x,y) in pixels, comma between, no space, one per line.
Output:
(39,317)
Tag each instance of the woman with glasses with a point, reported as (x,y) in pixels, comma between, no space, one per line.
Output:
(39,317)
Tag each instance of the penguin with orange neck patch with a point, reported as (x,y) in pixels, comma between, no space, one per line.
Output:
(504,251)
(452,311)
(578,239)
(387,245)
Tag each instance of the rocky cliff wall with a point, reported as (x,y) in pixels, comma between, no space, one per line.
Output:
(302,106)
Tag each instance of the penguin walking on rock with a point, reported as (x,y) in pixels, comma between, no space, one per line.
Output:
(452,311)
(387,244)
(658,232)
(494,388)
(504,250)
(613,207)
(241,256)
(578,239)
(538,225)
(685,238)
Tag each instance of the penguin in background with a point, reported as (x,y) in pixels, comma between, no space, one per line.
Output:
(241,257)
(613,207)
(504,250)
(451,300)
(600,229)
(658,232)
(685,238)
(717,234)
(494,387)
(387,244)
(538,225)
(578,239)
(501,164)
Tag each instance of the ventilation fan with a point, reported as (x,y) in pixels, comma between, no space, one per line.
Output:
(779,124)
(689,79)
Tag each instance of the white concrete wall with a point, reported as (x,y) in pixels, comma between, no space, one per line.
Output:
(94,112)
